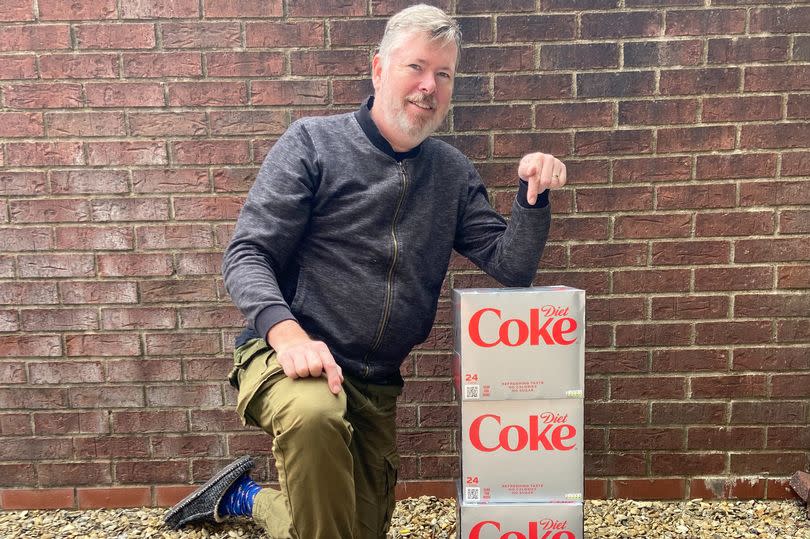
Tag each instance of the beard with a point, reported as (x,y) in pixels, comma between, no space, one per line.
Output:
(417,127)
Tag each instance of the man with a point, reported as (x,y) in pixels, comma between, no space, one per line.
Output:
(337,263)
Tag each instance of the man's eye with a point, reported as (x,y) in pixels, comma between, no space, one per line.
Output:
(445,75)
(415,66)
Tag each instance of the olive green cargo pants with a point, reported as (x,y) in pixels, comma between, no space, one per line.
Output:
(335,454)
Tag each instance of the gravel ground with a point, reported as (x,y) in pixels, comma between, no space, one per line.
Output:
(433,518)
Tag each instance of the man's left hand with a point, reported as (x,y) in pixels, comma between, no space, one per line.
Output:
(541,171)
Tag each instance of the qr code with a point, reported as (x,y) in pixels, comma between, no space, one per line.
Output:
(472,494)
(472,392)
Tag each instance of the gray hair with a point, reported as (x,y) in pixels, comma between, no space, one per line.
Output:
(434,22)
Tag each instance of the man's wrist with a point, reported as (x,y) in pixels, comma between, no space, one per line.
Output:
(523,198)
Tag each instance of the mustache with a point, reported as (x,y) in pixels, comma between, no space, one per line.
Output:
(423,100)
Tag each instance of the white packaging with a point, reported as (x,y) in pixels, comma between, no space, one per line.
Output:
(520,521)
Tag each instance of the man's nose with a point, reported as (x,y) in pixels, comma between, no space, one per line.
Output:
(428,84)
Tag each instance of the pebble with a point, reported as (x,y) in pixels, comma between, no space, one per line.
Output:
(428,517)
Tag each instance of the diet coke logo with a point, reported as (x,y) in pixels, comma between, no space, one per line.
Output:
(547,431)
(550,529)
(555,328)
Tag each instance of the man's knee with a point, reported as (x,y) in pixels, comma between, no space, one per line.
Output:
(306,407)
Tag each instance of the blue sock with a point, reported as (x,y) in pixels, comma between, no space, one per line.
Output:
(238,499)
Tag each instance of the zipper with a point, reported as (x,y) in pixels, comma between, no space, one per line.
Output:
(390,278)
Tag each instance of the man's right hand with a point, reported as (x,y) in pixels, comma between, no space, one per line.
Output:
(301,357)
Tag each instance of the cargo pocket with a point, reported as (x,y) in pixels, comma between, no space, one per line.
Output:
(389,497)
(255,366)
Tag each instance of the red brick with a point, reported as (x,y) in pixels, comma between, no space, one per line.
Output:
(186,290)
(691,307)
(132,209)
(779,489)
(102,345)
(187,396)
(647,387)
(748,50)
(798,107)
(770,250)
(668,112)
(608,255)
(567,115)
(652,169)
(767,413)
(774,193)
(618,84)
(727,488)
(34,37)
(154,9)
(20,125)
(687,463)
(201,35)
(674,253)
(594,281)
(127,265)
(732,332)
(699,81)
(796,385)
(321,8)
(207,93)
(44,153)
(138,318)
(244,8)
(27,293)
(696,196)
(143,370)
(704,22)
(611,309)
(160,344)
(18,475)
(17,10)
(17,67)
(124,94)
(535,87)
(167,496)
(671,280)
(789,437)
(187,446)
(615,361)
(621,25)
(71,423)
(51,211)
(88,124)
(729,386)
(207,208)
(139,421)
(94,238)
(780,20)
(170,181)
(13,373)
(690,139)
(484,6)
(686,413)
(614,199)
(653,335)
(115,36)
(663,53)
(792,330)
(9,320)
(213,369)
(168,123)
(244,64)
(25,239)
(112,396)
(496,59)
(782,463)
(56,265)
(52,498)
(199,264)
(33,398)
(579,228)
(151,471)
(646,438)
(579,56)
(652,226)
(66,373)
(127,153)
(329,62)
(794,276)
(245,122)
(174,236)
(73,474)
(787,135)
(35,448)
(76,9)
(735,166)
(289,92)
(210,317)
(794,222)
(771,305)
(211,151)
(726,438)
(111,446)
(22,183)
(282,34)
(162,64)
(732,278)
(35,96)
(624,141)
(614,413)
(78,66)
(215,421)
(518,145)
(771,359)
(777,78)
(108,498)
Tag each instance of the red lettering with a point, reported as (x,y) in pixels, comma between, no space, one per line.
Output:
(553,330)
(552,437)
(534,532)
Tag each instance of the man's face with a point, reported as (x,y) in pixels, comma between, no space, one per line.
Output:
(413,87)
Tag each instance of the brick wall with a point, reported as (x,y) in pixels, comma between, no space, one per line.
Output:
(130,131)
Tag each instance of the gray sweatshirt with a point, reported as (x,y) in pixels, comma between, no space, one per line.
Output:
(353,240)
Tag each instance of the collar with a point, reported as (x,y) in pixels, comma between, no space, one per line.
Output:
(363,115)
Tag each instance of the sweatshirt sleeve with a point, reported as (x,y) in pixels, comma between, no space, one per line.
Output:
(507,251)
(271,223)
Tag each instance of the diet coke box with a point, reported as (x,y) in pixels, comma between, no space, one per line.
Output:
(522,451)
(519,343)
(520,521)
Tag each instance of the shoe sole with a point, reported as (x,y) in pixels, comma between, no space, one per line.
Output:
(192,508)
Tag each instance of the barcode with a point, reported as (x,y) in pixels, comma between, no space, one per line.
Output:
(473,494)
(472,392)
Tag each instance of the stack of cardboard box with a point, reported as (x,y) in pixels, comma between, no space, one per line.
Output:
(520,373)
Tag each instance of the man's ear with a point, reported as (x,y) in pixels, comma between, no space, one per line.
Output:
(376,71)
